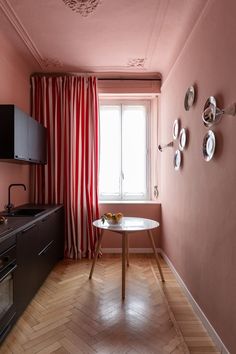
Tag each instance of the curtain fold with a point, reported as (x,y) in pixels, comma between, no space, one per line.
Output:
(68,107)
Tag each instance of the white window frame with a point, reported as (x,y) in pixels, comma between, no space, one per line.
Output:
(147,103)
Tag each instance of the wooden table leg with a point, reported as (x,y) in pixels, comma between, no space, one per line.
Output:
(156,254)
(127,249)
(124,248)
(96,253)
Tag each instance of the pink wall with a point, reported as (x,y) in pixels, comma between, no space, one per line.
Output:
(199,202)
(15,89)
(137,240)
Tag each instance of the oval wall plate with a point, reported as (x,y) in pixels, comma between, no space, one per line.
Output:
(177,160)
(208,146)
(182,139)
(189,98)
(175,129)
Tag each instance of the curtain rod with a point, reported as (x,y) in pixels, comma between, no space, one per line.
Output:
(98,78)
(127,79)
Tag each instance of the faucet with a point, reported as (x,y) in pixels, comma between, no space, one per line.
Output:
(9,206)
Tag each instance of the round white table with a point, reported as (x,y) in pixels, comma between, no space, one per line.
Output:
(127,225)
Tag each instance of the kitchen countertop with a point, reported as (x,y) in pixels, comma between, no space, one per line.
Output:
(19,223)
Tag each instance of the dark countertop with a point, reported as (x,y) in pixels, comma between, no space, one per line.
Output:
(19,223)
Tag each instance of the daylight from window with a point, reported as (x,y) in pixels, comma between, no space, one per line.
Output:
(123,172)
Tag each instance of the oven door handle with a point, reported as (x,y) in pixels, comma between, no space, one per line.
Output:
(8,272)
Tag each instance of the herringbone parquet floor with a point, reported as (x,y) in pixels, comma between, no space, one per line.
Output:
(72,314)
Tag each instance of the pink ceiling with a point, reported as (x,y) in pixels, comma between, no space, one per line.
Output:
(140,36)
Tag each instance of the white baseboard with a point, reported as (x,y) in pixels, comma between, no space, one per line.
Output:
(210,329)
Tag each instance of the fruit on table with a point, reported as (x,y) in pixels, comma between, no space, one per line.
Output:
(108,215)
(119,216)
(3,220)
(115,218)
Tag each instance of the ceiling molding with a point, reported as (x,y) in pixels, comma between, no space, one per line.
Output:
(137,54)
(21,31)
(156,30)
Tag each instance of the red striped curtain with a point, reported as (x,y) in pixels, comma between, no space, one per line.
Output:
(68,107)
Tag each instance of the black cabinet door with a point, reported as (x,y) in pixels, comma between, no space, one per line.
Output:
(21,137)
(26,282)
(7,131)
(51,240)
(46,258)
(36,142)
(39,247)
(20,134)
(33,140)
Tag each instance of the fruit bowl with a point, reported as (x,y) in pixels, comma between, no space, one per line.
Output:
(112,219)
(114,222)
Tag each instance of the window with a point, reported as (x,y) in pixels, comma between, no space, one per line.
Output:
(124,150)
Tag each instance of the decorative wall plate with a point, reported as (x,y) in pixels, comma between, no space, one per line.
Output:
(209,144)
(189,98)
(182,139)
(175,129)
(211,114)
(177,160)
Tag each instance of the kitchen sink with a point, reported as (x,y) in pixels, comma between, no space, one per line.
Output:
(26,212)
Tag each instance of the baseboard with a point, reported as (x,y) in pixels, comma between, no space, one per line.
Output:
(210,329)
(131,250)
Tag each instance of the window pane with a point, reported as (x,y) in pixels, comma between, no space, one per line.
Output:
(110,151)
(134,150)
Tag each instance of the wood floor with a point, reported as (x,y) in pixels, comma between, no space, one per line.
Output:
(71,314)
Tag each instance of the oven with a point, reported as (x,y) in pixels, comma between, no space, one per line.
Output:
(7,268)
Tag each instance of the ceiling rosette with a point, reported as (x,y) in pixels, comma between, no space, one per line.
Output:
(83,7)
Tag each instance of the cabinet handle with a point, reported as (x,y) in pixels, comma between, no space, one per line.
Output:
(12,268)
(28,228)
(44,250)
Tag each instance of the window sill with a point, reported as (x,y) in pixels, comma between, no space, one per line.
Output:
(129,202)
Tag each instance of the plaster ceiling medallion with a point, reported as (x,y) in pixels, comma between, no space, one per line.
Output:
(136,63)
(83,7)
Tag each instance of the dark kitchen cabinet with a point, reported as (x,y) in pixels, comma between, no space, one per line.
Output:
(51,241)
(27,254)
(19,126)
(39,247)
(22,138)
(36,141)
(33,140)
